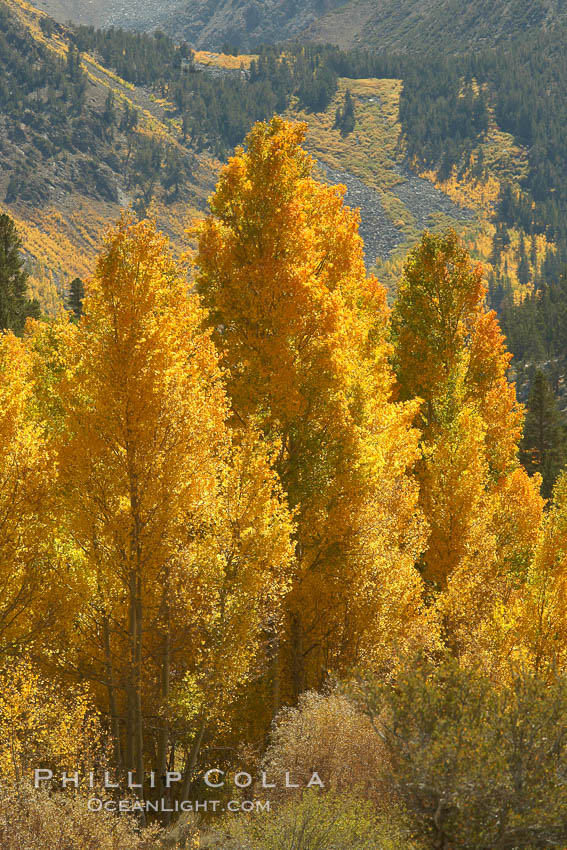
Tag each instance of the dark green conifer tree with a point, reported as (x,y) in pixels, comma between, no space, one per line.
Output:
(544,446)
(15,306)
(344,117)
(75,297)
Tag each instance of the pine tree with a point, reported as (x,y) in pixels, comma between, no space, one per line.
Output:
(344,117)
(15,306)
(524,272)
(544,445)
(109,114)
(75,297)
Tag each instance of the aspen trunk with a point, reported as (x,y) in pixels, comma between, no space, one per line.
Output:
(276,679)
(163,736)
(138,686)
(135,716)
(131,685)
(192,761)
(136,624)
(274,665)
(114,722)
(297,656)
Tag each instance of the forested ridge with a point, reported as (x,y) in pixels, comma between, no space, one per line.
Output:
(54,128)
(411,26)
(407,26)
(64,136)
(446,107)
(444,111)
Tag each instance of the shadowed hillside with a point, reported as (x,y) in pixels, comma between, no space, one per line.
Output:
(449,26)
(435,25)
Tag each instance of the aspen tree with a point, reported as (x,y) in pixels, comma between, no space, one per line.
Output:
(301,329)
(184,538)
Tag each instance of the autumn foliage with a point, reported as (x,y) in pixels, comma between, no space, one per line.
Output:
(449,352)
(302,333)
(221,492)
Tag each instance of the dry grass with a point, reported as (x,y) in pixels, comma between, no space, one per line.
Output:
(224,60)
(370,151)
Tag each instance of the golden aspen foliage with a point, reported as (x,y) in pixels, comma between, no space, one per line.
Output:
(543,618)
(28,586)
(486,593)
(453,474)
(40,727)
(504,598)
(484,512)
(440,322)
(301,333)
(437,302)
(239,603)
(487,383)
(449,351)
(184,539)
(517,521)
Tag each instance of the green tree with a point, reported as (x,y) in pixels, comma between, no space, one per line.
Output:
(524,271)
(174,173)
(109,114)
(544,446)
(345,118)
(75,297)
(15,306)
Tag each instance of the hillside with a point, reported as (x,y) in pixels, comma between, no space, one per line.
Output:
(79,142)
(205,24)
(99,121)
(107,13)
(208,24)
(396,203)
(396,25)
(434,25)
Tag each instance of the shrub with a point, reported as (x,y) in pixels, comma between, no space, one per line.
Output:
(320,822)
(330,735)
(37,820)
(479,766)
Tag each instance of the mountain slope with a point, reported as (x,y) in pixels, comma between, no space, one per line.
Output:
(398,25)
(209,24)
(77,145)
(435,25)
(106,13)
(132,121)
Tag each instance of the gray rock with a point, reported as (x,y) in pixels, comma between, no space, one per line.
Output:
(380,236)
(420,196)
